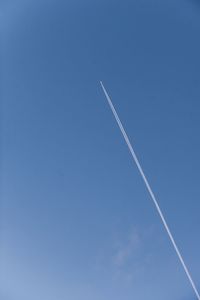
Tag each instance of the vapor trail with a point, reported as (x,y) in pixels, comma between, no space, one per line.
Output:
(150,191)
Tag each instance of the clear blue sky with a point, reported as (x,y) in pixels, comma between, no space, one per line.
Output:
(76,222)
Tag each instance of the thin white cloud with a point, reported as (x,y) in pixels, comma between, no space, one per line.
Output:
(126,249)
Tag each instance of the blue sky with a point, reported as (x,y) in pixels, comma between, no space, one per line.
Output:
(76,220)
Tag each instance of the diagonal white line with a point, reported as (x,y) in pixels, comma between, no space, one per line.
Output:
(150,191)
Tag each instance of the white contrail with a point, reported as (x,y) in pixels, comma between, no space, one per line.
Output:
(150,191)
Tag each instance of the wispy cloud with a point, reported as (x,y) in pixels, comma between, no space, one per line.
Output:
(126,249)
(129,254)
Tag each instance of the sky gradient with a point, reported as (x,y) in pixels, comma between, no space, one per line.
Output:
(76,221)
